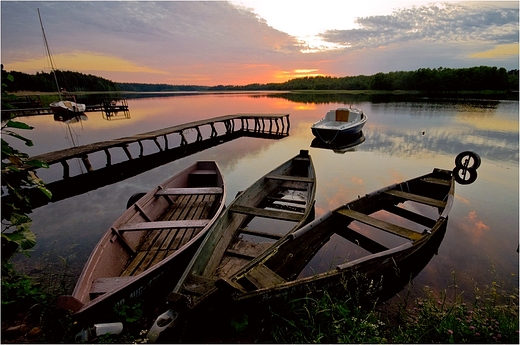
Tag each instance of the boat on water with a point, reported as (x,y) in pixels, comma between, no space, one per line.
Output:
(61,107)
(67,107)
(378,233)
(150,245)
(339,123)
(270,209)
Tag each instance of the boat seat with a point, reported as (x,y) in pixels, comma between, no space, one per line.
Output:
(417,198)
(103,285)
(290,178)
(259,233)
(381,224)
(202,178)
(260,212)
(261,277)
(190,191)
(169,224)
(438,181)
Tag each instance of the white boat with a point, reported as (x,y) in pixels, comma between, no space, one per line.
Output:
(62,106)
(339,123)
(67,107)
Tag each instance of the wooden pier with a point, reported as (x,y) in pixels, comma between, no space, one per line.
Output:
(106,108)
(107,162)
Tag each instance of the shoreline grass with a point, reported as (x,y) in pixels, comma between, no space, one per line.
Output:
(445,316)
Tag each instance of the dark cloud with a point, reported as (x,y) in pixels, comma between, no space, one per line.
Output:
(445,23)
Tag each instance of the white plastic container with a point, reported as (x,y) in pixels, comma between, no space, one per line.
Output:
(98,329)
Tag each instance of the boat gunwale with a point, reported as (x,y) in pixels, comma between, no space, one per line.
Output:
(406,249)
(227,213)
(96,254)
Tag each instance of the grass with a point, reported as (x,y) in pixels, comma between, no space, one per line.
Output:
(445,316)
(491,317)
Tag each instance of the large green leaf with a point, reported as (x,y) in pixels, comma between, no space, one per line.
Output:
(17,124)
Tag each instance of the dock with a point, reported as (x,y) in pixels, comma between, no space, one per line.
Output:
(107,162)
(106,108)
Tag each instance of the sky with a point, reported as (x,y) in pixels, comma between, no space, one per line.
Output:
(256,41)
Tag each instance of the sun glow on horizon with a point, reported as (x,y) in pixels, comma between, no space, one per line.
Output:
(502,50)
(298,73)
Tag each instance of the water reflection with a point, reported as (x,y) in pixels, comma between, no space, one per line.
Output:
(403,138)
(341,145)
(70,118)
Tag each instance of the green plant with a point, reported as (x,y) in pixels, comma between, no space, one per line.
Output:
(17,180)
(129,313)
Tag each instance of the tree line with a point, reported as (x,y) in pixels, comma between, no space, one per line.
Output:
(424,79)
(68,80)
(436,80)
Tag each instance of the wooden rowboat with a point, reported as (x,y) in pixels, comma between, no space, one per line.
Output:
(377,233)
(151,243)
(270,209)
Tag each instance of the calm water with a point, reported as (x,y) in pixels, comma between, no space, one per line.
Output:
(481,242)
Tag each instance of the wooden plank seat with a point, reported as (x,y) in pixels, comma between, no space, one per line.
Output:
(190,191)
(361,240)
(260,233)
(290,178)
(103,285)
(438,181)
(165,224)
(289,201)
(381,224)
(261,276)
(417,198)
(414,217)
(260,212)
(240,254)
(197,285)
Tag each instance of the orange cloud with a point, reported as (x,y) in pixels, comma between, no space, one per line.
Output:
(473,226)
(461,199)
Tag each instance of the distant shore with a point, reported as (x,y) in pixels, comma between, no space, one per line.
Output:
(351,92)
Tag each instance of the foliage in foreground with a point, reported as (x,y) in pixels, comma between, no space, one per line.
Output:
(492,317)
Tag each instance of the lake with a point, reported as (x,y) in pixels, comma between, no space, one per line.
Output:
(404,138)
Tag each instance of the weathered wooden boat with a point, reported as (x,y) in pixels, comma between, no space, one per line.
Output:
(151,244)
(339,123)
(270,209)
(377,233)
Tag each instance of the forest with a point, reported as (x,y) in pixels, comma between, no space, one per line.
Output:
(436,80)
(44,82)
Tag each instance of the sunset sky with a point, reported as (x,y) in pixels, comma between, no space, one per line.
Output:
(256,41)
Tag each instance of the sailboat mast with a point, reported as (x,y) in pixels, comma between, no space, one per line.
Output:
(49,56)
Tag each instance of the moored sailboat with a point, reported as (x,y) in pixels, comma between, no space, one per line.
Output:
(62,106)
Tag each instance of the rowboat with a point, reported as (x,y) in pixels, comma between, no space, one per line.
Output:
(151,243)
(270,209)
(339,123)
(373,235)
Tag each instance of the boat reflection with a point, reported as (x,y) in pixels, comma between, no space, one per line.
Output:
(70,118)
(342,144)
